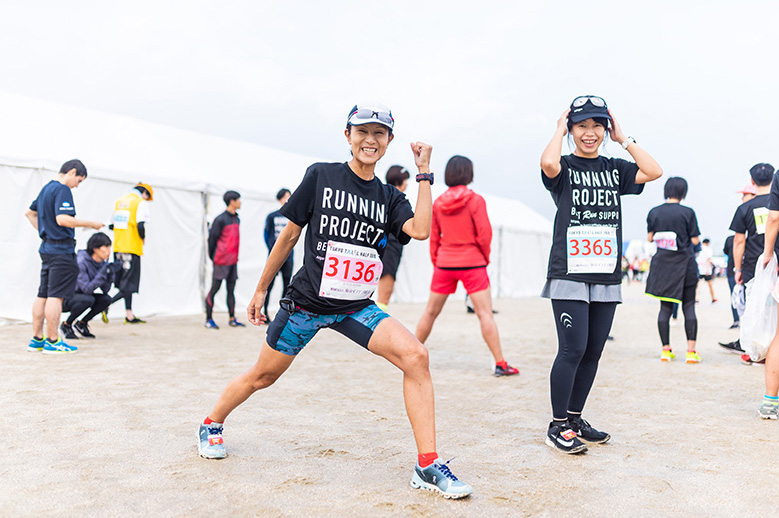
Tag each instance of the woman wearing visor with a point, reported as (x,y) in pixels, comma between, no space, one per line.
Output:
(673,276)
(583,279)
(348,213)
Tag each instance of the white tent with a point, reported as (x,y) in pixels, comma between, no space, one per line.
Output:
(189,173)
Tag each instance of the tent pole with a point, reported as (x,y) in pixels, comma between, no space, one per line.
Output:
(203,246)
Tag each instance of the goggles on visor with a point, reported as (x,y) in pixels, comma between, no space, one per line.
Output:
(594,99)
(364,114)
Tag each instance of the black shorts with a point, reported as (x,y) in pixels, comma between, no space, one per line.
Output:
(129,277)
(706,277)
(391,259)
(225,272)
(58,276)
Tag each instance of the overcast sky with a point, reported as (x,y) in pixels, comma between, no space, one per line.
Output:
(694,82)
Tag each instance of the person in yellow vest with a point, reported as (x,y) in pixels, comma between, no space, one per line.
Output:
(131,214)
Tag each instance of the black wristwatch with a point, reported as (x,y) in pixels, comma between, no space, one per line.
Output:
(425,176)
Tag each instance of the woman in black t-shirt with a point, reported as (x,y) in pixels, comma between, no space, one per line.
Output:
(673,275)
(348,213)
(583,280)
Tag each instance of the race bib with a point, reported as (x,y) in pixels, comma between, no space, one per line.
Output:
(761,218)
(121,219)
(351,272)
(665,240)
(592,249)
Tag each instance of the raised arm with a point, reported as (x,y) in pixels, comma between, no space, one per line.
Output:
(418,227)
(648,168)
(550,158)
(278,255)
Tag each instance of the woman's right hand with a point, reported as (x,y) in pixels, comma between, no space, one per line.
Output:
(562,122)
(422,153)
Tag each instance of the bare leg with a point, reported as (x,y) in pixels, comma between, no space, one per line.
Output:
(53,312)
(38,314)
(270,365)
(772,368)
(386,286)
(482,304)
(394,342)
(434,305)
(711,289)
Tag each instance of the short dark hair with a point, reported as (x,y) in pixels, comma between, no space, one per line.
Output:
(78,165)
(459,171)
(603,121)
(396,175)
(141,189)
(706,241)
(282,192)
(762,174)
(230,196)
(676,188)
(97,240)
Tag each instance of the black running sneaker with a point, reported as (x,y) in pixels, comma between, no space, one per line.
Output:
(586,432)
(561,436)
(83,329)
(67,330)
(734,347)
(135,320)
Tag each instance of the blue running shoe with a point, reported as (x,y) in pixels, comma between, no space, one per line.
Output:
(210,444)
(36,345)
(210,324)
(235,323)
(58,347)
(439,478)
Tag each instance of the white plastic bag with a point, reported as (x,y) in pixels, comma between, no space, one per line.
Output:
(758,323)
(737,299)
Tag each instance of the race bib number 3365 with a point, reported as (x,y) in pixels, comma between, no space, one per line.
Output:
(591,249)
(351,272)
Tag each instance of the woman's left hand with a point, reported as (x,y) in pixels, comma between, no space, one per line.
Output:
(616,130)
(422,153)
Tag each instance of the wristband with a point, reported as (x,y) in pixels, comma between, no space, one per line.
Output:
(627,142)
(737,270)
(425,176)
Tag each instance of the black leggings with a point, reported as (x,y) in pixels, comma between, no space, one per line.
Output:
(80,302)
(215,285)
(690,321)
(582,329)
(286,275)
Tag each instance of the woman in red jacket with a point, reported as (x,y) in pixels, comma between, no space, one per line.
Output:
(460,240)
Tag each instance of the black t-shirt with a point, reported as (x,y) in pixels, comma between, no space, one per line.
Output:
(54,199)
(587,239)
(339,206)
(728,251)
(773,202)
(750,219)
(674,225)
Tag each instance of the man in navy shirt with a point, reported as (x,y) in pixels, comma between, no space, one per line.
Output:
(53,216)
(274,224)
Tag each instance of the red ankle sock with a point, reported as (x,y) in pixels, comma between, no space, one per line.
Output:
(502,365)
(207,420)
(426,459)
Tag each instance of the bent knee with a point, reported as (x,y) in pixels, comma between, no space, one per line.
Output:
(416,357)
(264,380)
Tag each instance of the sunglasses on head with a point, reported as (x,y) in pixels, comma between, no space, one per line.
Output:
(594,99)
(367,113)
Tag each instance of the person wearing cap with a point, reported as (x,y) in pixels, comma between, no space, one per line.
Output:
(460,241)
(224,239)
(129,223)
(274,224)
(583,279)
(749,225)
(397,176)
(747,193)
(348,213)
(673,274)
(53,215)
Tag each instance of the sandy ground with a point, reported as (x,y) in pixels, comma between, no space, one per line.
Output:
(110,430)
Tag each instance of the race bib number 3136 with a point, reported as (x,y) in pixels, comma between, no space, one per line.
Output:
(592,249)
(351,272)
